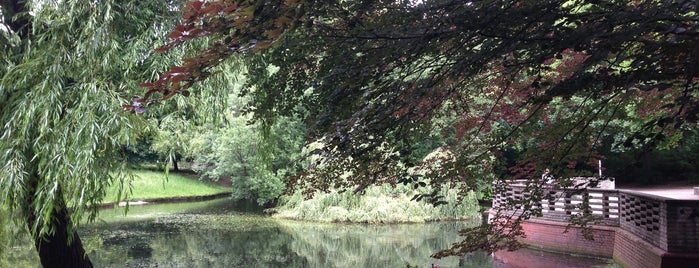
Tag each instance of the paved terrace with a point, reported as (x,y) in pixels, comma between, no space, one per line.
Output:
(673,192)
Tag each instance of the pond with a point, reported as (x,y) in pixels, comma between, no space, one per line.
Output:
(218,234)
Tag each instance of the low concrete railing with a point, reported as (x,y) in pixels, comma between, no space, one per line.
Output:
(669,224)
(604,203)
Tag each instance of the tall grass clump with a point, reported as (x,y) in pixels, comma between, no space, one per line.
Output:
(378,204)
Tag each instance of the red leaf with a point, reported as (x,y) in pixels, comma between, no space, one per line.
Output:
(191,8)
(196,5)
(178,78)
(230,9)
(175,35)
(177,69)
(212,9)
(195,32)
(145,84)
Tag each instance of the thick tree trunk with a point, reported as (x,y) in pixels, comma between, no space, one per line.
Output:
(55,249)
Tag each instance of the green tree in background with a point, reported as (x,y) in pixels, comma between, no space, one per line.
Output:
(547,77)
(174,124)
(66,68)
(257,168)
(171,139)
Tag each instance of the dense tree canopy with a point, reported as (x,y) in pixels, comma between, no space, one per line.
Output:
(66,68)
(374,78)
(256,168)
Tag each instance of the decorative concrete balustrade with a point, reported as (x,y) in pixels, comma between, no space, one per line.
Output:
(604,203)
(646,230)
(670,224)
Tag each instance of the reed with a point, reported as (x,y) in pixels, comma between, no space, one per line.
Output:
(379,204)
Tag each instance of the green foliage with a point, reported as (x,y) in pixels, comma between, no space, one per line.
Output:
(62,128)
(376,72)
(229,151)
(4,221)
(378,204)
(255,168)
(172,139)
(64,75)
(656,165)
(140,150)
(545,81)
(174,124)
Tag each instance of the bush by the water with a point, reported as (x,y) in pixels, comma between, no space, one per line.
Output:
(379,204)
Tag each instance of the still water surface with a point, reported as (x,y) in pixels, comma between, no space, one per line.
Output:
(219,234)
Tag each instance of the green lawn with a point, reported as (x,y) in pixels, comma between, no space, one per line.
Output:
(153,184)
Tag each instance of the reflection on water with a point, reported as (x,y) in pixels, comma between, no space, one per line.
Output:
(345,245)
(524,258)
(215,234)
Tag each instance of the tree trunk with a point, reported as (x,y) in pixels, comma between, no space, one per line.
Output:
(55,248)
(174,164)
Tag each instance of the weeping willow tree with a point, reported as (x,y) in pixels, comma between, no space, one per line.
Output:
(66,68)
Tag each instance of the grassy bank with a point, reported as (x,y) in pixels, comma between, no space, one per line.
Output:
(153,184)
(380,204)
